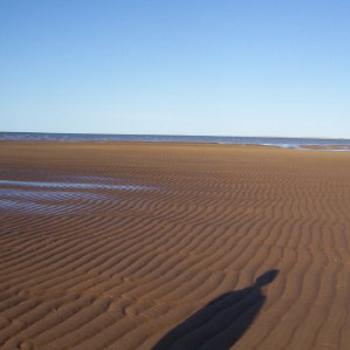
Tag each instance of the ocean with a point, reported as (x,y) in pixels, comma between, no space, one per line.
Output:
(285,142)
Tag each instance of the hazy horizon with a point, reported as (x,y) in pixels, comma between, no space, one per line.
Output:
(223,68)
(176,135)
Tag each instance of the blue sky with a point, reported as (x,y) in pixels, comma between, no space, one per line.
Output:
(219,67)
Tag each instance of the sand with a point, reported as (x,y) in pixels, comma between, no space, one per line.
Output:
(160,246)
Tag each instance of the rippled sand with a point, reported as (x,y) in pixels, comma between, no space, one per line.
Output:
(141,246)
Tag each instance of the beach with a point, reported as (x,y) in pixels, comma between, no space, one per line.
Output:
(173,246)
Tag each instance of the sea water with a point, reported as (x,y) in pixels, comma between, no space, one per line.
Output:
(285,142)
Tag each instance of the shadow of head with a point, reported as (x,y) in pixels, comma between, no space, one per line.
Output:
(266,278)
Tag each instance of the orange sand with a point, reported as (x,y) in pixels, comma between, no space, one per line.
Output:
(231,246)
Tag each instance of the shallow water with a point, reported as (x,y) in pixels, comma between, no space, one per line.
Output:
(40,208)
(75,185)
(45,197)
(48,195)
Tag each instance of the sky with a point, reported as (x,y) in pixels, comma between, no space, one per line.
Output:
(192,67)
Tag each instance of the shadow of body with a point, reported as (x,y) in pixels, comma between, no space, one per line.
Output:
(221,323)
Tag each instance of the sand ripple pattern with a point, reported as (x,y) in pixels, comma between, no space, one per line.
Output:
(113,246)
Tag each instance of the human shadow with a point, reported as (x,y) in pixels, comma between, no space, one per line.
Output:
(222,322)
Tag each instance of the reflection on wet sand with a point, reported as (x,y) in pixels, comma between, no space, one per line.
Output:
(59,197)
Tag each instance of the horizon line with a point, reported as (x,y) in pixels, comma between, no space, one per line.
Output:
(175,135)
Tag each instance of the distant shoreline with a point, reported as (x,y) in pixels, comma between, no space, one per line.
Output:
(306,148)
(310,144)
(280,142)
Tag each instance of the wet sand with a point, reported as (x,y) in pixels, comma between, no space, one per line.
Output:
(173,246)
